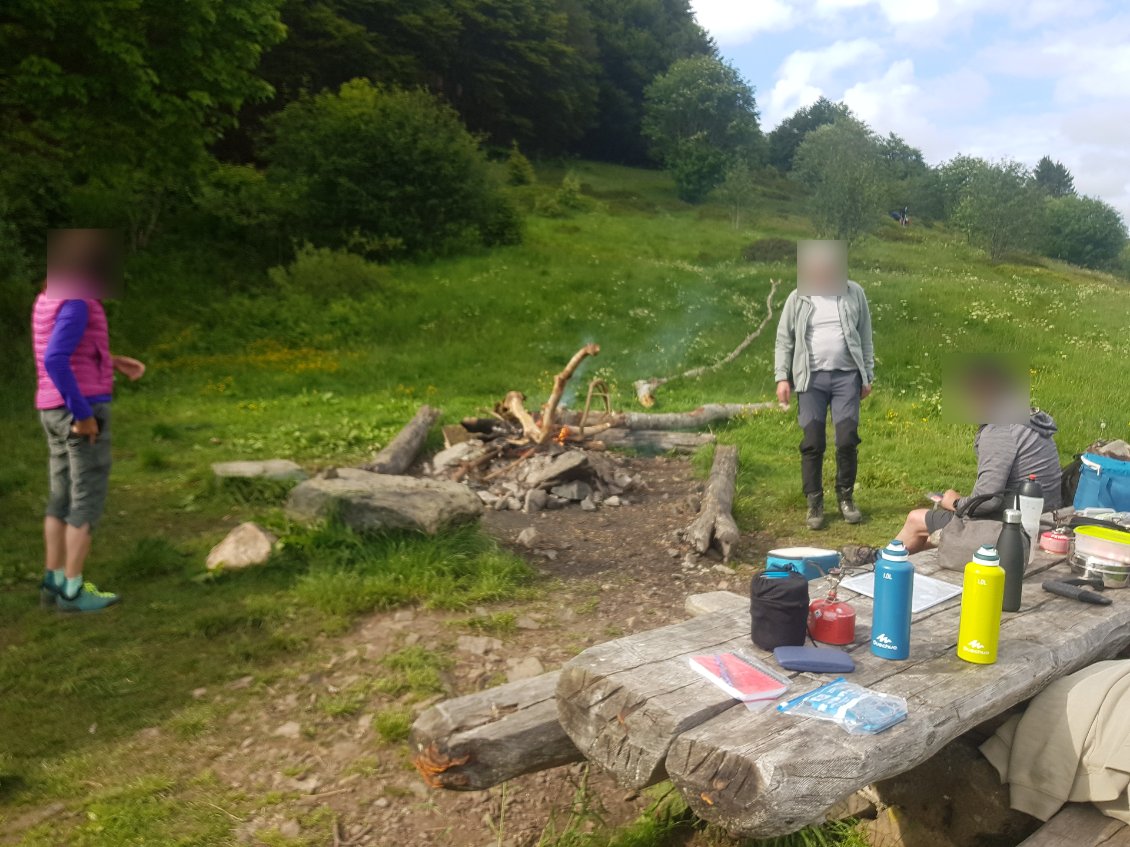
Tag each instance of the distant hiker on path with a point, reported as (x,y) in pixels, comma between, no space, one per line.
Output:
(825,354)
(75,376)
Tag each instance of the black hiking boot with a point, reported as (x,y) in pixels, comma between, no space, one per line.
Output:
(848,508)
(815,516)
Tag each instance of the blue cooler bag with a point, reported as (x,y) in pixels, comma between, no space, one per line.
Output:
(810,562)
(1104,482)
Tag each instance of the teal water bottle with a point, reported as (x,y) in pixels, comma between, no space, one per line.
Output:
(894,589)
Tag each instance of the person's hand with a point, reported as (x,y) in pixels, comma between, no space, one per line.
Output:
(131,367)
(865,392)
(86,428)
(949,500)
(784,393)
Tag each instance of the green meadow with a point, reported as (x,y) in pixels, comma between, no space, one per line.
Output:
(324,359)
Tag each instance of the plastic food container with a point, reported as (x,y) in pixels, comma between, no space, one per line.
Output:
(1104,542)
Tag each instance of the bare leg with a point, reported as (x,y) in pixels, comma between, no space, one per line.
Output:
(54,543)
(914,533)
(78,546)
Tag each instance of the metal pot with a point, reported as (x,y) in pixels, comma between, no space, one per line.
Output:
(1113,574)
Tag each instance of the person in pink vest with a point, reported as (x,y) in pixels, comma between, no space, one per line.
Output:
(75,383)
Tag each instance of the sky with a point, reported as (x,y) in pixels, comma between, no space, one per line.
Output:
(991,78)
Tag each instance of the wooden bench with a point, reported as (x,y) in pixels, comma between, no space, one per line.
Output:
(1080,825)
(634,707)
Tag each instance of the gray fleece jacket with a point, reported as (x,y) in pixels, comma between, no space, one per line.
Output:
(1008,453)
(791,359)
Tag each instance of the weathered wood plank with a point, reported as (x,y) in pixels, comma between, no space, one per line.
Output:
(770,774)
(473,742)
(623,703)
(714,601)
(1080,825)
(482,739)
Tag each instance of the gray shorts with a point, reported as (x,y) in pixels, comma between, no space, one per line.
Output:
(79,471)
(937,519)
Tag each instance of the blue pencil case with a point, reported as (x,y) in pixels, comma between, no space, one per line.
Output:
(814,659)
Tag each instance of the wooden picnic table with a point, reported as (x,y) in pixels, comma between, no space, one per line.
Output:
(634,706)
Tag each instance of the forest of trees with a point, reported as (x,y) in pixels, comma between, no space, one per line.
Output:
(368,124)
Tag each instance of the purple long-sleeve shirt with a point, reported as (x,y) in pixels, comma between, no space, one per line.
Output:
(70,324)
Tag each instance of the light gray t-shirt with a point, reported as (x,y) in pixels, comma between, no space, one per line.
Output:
(827,346)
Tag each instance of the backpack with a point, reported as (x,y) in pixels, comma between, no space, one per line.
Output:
(1069,482)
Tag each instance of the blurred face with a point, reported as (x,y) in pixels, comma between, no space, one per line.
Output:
(986,390)
(84,263)
(821,267)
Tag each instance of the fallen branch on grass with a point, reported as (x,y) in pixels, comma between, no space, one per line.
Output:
(646,388)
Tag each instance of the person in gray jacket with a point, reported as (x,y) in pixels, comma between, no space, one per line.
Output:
(824,353)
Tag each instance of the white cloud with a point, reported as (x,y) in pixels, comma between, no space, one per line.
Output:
(924,112)
(735,23)
(805,75)
(895,11)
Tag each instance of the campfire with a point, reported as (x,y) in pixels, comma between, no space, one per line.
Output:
(557,457)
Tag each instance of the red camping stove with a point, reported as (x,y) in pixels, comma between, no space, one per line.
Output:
(831,620)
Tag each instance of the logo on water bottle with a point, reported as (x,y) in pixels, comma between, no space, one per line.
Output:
(887,576)
(975,646)
(881,640)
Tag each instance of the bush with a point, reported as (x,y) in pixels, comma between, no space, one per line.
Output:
(770,250)
(326,275)
(566,200)
(387,172)
(1082,230)
(518,168)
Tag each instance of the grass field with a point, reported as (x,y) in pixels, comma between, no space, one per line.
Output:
(323,361)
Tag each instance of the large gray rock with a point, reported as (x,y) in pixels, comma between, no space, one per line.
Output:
(367,502)
(246,545)
(260,469)
(569,465)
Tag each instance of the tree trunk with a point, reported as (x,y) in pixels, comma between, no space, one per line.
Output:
(715,521)
(398,456)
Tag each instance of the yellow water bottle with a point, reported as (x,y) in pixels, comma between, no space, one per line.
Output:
(982,596)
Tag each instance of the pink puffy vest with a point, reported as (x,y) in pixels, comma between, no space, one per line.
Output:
(90,362)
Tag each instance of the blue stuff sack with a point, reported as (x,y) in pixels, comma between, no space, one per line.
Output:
(1103,482)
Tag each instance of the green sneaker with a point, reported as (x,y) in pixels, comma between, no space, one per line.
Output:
(48,591)
(88,599)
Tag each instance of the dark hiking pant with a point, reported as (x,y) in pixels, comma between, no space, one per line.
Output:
(838,390)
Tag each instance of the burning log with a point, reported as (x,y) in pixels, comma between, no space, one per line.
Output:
(399,454)
(715,521)
(559,381)
(646,388)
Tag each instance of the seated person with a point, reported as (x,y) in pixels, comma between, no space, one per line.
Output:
(1016,442)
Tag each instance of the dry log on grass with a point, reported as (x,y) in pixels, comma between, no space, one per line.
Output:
(653,441)
(646,388)
(399,454)
(715,521)
(699,418)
